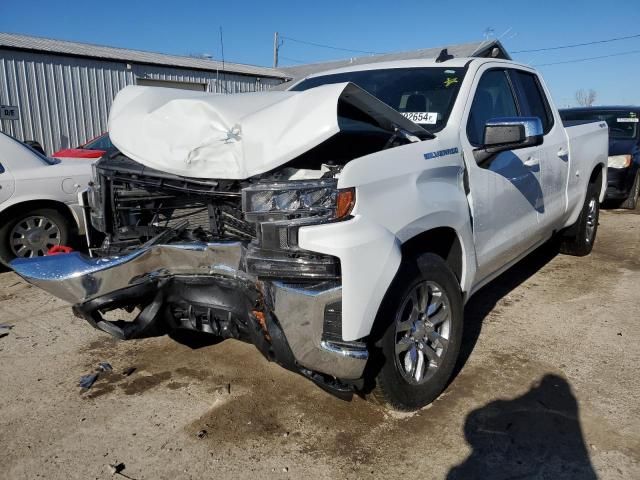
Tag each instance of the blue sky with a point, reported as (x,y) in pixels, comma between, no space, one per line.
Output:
(190,27)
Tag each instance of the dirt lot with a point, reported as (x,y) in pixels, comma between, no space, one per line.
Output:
(548,387)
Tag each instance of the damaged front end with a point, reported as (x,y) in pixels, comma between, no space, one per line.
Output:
(221,256)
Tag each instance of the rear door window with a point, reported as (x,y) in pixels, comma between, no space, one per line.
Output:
(533,102)
(493,99)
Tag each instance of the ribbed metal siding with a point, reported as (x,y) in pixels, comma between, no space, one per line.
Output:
(65,101)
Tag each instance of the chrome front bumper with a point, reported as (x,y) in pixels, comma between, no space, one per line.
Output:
(299,310)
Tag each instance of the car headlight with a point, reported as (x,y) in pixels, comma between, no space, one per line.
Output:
(279,211)
(297,199)
(619,161)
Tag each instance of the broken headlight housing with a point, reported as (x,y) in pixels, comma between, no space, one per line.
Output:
(279,210)
(297,199)
(94,197)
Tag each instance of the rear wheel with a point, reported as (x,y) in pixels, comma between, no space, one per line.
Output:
(422,330)
(632,200)
(578,240)
(32,234)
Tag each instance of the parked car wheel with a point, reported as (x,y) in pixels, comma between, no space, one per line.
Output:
(32,234)
(578,240)
(632,200)
(422,319)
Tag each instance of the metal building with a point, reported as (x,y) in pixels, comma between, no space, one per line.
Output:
(59,93)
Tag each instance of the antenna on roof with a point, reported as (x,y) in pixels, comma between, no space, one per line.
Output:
(443,56)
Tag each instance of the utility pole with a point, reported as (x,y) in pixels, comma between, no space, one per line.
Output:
(276,47)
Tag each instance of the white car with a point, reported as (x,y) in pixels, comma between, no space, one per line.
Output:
(339,226)
(38,200)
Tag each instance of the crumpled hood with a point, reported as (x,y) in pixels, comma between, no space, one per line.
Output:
(206,135)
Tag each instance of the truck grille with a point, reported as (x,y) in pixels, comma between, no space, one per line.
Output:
(141,212)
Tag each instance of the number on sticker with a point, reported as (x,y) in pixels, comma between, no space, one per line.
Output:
(430,118)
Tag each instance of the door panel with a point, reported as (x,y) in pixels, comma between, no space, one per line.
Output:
(506,196)
(507,202)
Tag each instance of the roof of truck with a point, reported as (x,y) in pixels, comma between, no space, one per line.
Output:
(479,49)
(459,62)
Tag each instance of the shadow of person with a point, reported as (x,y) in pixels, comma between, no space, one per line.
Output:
(537,435)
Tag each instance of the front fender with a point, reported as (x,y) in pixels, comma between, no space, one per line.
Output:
(369,256)
(455,218)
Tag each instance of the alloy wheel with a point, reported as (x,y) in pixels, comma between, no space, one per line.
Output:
(423,327)
(592,219)
(34,236)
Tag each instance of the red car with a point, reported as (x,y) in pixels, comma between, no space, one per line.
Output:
(95,148)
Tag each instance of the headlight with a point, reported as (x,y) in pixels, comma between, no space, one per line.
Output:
(619,161)
(297,199)
(96,208)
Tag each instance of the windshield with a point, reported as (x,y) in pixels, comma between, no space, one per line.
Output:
(622,123)
(423,95)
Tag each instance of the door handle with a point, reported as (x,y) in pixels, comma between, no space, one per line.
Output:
(563,152)
(532,162)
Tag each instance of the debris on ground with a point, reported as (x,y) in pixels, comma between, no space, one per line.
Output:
(128,371)
(223,389)
(116,468)
(4,329)
(104,367)
(86,381)
(202,434)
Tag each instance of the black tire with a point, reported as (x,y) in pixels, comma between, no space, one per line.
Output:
(7,253)
(632,200)
(391,385)
(578,240)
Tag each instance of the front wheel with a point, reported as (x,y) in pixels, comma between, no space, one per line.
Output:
(423,317)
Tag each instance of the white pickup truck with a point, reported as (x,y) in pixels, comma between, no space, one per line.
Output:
(341,225)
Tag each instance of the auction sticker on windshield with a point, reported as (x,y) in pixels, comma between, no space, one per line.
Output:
(429,118)
(628,120)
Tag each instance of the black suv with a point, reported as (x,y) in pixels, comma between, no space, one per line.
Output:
(623,185)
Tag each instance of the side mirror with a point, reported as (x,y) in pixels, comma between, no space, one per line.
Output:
(511,133)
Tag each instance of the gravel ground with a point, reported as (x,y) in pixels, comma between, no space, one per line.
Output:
(548,387)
